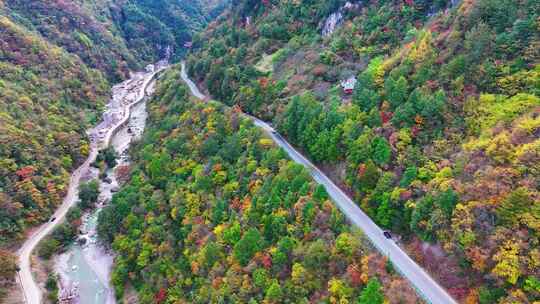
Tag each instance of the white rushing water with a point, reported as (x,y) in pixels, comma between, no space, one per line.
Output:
(335,19)
(331,23)
(84,269)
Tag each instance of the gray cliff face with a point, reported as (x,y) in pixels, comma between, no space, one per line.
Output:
(336,19)
(331,23)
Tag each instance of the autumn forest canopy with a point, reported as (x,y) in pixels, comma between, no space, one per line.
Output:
(425,112)
(215,212)
(58,61)
(439,139)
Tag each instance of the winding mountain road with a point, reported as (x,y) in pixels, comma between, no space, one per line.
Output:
(426,286)
(135,91)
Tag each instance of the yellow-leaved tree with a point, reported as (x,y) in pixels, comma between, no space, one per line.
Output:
(508,262)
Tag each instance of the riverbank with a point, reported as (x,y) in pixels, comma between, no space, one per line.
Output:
(118,112)
(85,268)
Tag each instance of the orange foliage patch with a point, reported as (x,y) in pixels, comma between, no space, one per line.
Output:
(266,261)
(355,275)
(236,203)
(26,172)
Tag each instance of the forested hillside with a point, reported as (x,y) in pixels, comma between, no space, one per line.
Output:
(113,36)
(58,60)
(215,213)
(150,25)
(439,140)
(427,112)
(47,99)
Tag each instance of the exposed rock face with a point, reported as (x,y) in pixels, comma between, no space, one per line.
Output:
(331,23)
(82,240)
(336,19)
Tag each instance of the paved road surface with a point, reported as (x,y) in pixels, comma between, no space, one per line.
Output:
(32,292)
(194,89)
(424,284)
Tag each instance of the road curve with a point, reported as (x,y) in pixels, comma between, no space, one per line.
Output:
(426,286)
(32,292)
(192,87)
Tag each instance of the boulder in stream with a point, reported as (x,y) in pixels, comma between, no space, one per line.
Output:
(82,240)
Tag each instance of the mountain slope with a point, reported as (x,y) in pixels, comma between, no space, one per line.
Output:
(46,94)
(114,36)
(214,213)
(439,140)
(58,60)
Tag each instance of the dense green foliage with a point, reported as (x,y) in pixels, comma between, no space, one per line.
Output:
(106,158)
(66,233)
(47,98)
(8,268)
(372,293)
(439,140)
(114,36)
(149,26)
(88,194)
(85,29)
(51,285)
(57,62)
(215,213)
(63,235)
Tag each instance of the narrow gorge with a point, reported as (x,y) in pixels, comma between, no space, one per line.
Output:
(84,269)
